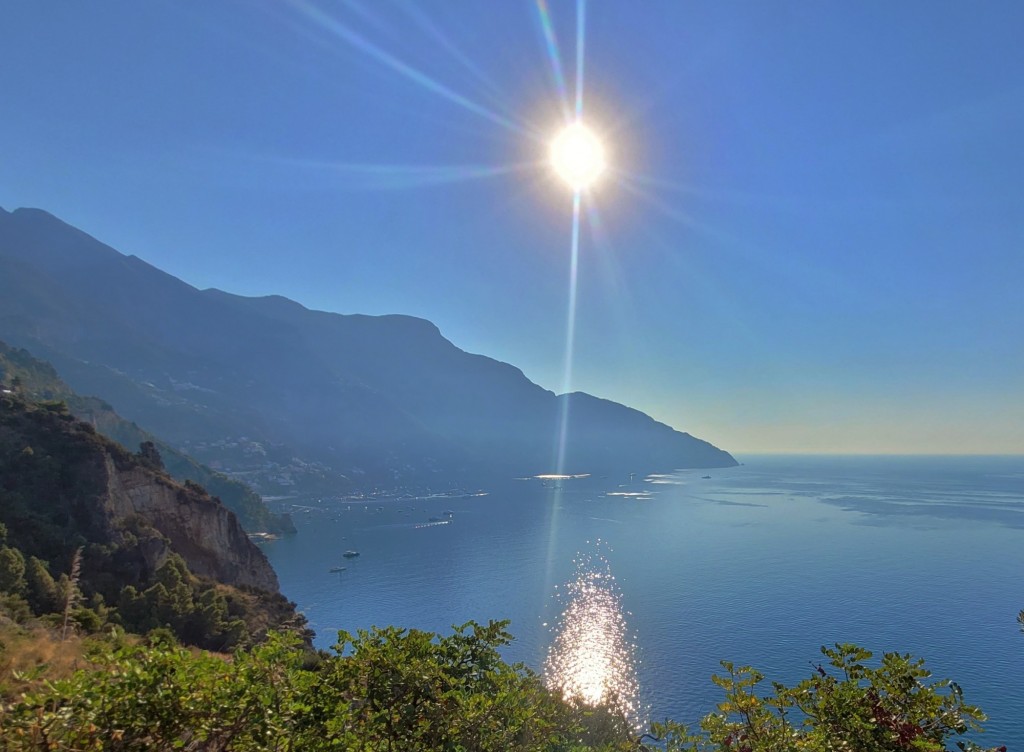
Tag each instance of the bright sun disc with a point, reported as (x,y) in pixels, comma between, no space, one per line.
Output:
(578,156)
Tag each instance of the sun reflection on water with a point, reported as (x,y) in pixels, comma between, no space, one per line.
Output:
(593,657)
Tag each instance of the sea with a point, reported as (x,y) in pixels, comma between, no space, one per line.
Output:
(637,587)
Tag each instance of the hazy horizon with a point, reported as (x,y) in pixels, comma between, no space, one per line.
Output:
(808,240)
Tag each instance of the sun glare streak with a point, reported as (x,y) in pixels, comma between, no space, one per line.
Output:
(570,334)
(367,47)
(666,208)
(402,177)
(574,250)
(653,182)
(368,17)
(432,30)
(616,281)
(581,19)
(554,55)
(723,238)
(592,658)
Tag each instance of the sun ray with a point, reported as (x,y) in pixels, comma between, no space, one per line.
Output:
(401,177)
(348,35)
(422,20)
(554,56)
(667,209)
(570,335)
(368,17)
(619,295)
(581,19)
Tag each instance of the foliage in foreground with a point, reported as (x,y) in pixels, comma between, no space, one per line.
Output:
(887,708)
(393,689)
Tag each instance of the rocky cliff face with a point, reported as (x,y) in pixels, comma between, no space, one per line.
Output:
(62,486)
(197,527)
(150,552)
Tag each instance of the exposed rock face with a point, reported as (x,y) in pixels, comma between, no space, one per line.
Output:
(152,552)
(201,530)
(58,470)
(39,381)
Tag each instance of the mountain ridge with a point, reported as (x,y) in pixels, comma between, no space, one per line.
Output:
(357,401)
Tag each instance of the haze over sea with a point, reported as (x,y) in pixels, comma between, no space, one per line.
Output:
(759,564)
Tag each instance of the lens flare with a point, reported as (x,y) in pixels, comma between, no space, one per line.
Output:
(578,156)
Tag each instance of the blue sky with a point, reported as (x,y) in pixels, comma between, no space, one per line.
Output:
(811,238)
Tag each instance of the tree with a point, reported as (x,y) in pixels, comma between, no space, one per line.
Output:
(149,456)
(890,708)
(12,570)
(72,595)
(410,690)
(42,591)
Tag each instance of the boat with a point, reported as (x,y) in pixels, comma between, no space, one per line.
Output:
(350,554)
(262,537)
(336,569)
(705,477)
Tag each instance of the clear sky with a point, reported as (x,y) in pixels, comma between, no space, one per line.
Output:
(812,237)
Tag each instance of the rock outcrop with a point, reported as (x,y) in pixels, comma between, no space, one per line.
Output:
(69,494)
(200,529)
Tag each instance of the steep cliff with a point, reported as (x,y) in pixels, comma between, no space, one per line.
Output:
(38,380)
(205,533)
(65,488)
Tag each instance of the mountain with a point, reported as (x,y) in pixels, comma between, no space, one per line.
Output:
(38,380)
(291,398)
(144,551)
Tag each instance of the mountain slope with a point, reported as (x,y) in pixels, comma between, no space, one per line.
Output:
(293,397)
(38,380)
(148,551)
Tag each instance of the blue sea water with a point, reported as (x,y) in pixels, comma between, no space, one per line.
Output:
(759,564)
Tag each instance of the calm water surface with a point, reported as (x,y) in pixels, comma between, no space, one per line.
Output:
(759,564)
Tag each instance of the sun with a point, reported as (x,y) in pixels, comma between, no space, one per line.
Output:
(578,156)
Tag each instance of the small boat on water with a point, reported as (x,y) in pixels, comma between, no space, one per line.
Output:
(350,554)
(705,477)
(336,569)
(262,537)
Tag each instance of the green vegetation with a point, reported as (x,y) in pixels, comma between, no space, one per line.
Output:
(890,707)
(66,559)
(35,379)
(391,689)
